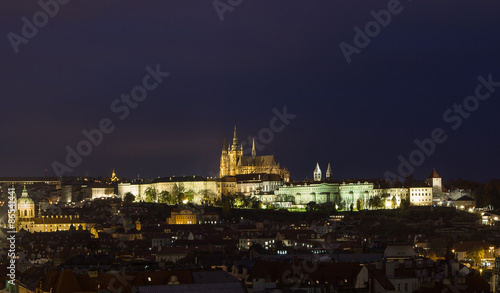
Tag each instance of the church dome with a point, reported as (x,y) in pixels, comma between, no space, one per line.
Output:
(25,201)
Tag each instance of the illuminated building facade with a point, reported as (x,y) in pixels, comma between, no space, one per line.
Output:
(28,221)
(197,184)
(421,195)
(304,192)
(183,217)
(98,190)
(392,195)
(351,192)
(232,162)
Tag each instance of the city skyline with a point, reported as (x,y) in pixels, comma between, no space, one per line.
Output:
(358,111)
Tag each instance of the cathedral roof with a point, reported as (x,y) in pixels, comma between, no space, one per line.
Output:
(258,176)
(257,161)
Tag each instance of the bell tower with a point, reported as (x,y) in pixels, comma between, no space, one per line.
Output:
(317,173)
(224,161)
(329,173)
(234,154)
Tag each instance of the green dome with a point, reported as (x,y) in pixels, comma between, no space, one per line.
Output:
(25,200)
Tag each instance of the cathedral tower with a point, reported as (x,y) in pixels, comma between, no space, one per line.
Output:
(232,162)
(317,173)
(224,161)
(234,154)
(329,173)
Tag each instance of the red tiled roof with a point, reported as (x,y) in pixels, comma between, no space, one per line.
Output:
(434,174)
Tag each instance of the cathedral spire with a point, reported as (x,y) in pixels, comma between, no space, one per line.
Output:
(235,140)
(254,153)
(25,192)
(317,173)
(329,172)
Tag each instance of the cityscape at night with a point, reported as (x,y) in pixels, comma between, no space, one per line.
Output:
(250,146)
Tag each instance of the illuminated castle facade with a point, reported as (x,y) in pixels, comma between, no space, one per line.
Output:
(232,162)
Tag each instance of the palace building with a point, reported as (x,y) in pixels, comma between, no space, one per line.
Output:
(232,162)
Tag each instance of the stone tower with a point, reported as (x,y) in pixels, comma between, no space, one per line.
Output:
(435,181)
(317,173)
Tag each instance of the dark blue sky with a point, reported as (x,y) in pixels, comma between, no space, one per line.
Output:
(359,116)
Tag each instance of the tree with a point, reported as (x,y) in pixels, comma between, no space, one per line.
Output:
(256,203)
(409,181)
(394,202)
(359,204)
(405,203)
(166,197)
(189,195)
(239,201)
(476,254)
(128,198)
(341,204)
(311,206)
(178,193)
(376,202)
(327,207)
(226,207)
(207,196)
(151,194)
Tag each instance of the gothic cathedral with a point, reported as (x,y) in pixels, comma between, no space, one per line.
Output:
(232,162)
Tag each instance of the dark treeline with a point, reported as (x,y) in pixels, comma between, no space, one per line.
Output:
(485,194)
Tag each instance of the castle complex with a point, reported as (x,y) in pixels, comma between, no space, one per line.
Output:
(264,178)
(232,162)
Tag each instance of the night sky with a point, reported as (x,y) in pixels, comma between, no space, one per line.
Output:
(264,55)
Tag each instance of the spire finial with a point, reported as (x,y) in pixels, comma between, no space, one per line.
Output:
(25,192)
(235,140)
